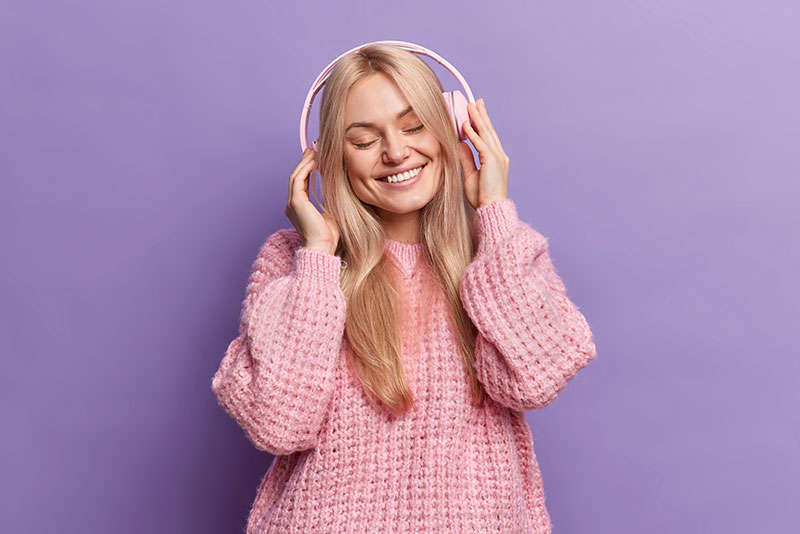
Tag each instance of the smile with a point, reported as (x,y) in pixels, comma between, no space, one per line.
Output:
(404,180)
(403,176)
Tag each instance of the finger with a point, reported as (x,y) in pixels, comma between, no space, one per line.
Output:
(467,159)
(473,136)
(489,123)
(482,127)
(305,179)
(307,157)
(298,178)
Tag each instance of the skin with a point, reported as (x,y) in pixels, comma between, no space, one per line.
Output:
(390,144)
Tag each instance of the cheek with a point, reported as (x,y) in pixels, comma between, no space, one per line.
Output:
(354,161)
(358,178)
(433,147)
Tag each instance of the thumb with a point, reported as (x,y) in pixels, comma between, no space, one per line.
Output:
(467,160)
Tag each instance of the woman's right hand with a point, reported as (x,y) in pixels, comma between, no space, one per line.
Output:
(318,230)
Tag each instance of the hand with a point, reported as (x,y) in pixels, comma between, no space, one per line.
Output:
(319,231)
(490,183)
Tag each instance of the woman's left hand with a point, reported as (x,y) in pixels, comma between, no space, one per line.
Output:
(489,183)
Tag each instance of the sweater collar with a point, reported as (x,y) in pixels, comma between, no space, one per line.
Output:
(405,255)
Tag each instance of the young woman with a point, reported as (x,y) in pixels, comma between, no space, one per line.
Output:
(389,345)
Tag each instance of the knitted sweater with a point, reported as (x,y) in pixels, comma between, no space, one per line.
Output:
(342,465)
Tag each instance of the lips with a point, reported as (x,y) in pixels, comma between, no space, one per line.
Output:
(400,171)
(405,184)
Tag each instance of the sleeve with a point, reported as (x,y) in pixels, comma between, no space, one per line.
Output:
(276,378)
(531,338)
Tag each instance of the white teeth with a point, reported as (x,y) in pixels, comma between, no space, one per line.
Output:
(403,176)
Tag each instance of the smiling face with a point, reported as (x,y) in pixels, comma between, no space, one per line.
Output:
(384,137)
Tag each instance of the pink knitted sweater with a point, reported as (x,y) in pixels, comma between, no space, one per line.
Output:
(342,465)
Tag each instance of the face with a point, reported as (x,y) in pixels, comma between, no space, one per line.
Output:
(385,137)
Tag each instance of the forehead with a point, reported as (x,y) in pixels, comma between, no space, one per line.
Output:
(374,98)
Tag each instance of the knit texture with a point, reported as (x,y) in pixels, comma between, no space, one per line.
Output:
(343,466)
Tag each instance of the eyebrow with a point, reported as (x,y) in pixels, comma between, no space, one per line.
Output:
(371,125)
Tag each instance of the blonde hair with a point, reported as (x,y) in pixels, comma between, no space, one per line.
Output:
(447,228)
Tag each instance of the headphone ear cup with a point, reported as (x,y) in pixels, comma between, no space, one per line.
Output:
(314,145)
(456,104)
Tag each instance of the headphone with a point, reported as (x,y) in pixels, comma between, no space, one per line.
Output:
(455,101)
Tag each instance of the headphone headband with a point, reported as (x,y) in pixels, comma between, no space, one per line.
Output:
(323,77)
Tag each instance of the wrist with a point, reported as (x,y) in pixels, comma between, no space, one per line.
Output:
(486,201)
(321,246)
(495,222)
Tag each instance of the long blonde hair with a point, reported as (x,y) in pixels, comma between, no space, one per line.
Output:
(447,228)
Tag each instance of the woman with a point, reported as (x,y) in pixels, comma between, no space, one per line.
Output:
(389,345)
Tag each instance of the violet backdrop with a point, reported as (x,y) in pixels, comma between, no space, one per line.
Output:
(145,149)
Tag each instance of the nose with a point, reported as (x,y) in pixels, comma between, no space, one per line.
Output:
(395,149)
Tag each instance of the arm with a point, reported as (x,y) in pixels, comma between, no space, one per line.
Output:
(276,378)
(531,338)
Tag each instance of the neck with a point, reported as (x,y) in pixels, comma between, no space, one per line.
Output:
(402,227)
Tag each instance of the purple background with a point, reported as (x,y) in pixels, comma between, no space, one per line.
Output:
(145,154)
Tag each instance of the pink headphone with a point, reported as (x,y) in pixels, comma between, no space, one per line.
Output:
(455,101)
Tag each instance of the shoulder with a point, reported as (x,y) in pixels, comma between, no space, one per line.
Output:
(276,255)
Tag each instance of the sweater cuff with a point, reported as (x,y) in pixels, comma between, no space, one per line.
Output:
(495,222)
(317,266)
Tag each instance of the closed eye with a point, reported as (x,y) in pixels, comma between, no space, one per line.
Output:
(412,130)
